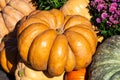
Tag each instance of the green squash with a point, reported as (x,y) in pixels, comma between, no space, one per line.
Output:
(106,61)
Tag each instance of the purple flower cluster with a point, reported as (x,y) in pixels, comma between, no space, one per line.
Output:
(108,10)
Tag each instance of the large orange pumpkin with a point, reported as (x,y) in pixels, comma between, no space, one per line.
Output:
(9,53)
(49,40)
(11,11)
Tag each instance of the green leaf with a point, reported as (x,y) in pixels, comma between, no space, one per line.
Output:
(104,32)
(49,4)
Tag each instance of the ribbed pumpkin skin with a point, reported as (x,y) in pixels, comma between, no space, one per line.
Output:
(3,3)
(106,62)
(11,11)
(48,39)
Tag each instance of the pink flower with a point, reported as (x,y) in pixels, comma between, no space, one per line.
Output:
(100,7)
(98,1)
(98,20)
(114,4)
(118,12)
(118,1)
(92,3)
(104,15)
(111,18)
(112,9)
(115,16)
(115,22)
(113,0)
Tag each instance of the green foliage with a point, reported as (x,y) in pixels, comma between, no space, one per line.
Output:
(49,4)
(104,17)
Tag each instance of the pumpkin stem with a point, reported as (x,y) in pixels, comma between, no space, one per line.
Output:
(59,31)
(21,73)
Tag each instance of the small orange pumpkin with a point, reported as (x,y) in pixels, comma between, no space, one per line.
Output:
(76,75)
(49,40)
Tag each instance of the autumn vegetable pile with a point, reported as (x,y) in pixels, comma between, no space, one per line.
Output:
(52,40)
